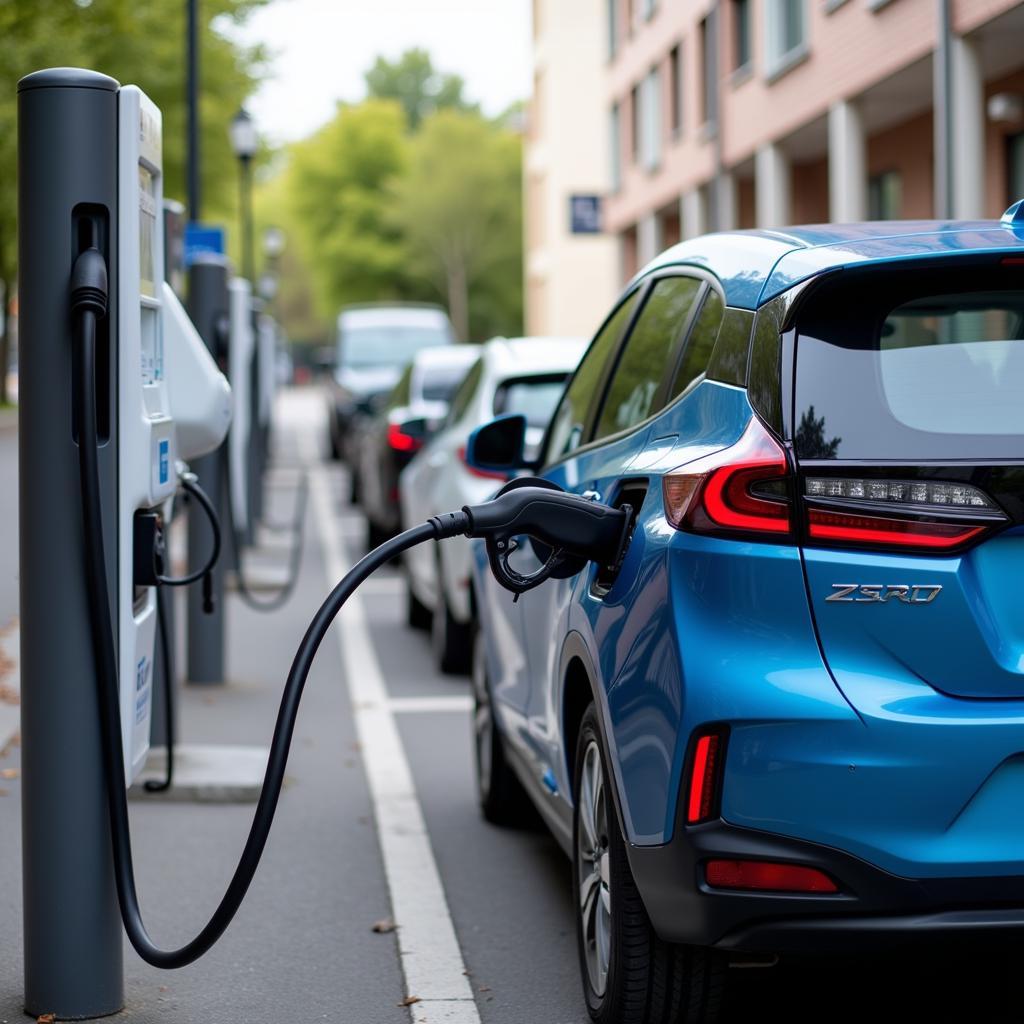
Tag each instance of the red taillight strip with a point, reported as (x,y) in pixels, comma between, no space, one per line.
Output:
(858,529)
(401,441)
(767,876)
(703,773)
(729,502)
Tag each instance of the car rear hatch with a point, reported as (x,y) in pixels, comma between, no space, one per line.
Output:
(909,443)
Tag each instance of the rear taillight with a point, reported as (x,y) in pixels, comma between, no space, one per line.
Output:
(705,771)
(924,515)
(740,490)
(400,441)
(483,474)
(767,876)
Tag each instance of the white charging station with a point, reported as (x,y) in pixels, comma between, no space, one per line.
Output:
(173,401)
(241,345)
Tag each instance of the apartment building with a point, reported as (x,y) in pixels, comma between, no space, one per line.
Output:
(758,113)
(572,267)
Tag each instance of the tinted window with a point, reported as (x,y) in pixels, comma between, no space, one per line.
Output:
(386,346)
(699,344)
(438,383)
(533,397)
(920,367)
(641,370)
(566,431)
(465,391)
(729,359)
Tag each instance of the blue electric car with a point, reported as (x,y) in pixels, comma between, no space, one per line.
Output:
(793,717)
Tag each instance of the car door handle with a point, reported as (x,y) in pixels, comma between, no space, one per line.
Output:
(591,495)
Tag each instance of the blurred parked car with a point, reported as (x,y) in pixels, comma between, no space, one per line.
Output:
(415,408)
(374,344)
(522,375)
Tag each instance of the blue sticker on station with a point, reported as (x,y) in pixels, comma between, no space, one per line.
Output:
(164,450)
(202,239)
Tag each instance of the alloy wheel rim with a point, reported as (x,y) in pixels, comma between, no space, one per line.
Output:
(592,856)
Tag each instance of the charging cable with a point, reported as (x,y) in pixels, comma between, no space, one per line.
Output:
(568,523)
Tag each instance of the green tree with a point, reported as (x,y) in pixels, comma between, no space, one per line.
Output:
(459,205)
(136,41)
(338,190)
(417,85)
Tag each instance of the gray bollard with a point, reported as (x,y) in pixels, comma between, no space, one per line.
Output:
(67,165)
(208,308)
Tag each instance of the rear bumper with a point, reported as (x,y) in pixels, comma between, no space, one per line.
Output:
(873,908)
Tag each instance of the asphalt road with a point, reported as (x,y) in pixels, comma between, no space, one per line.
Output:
(302,948)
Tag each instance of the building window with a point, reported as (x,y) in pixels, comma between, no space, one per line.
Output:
(1015,166)
(885,196)
(612,7)
(786,34)
(650,123)
(740,34)
(675,74)
(615,135)
(634,124)
(709,73)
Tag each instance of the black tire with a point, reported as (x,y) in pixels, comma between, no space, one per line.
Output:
(375,535)
(645,980)
(503,801)
(417,614)
(452,641)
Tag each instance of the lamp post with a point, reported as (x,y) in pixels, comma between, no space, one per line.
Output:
(244,143)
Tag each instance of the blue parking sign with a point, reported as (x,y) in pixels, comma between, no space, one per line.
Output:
(585,214)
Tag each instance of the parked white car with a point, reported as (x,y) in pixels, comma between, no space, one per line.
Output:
(521,375)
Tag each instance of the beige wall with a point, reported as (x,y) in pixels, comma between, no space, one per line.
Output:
(879,61)
(570,279)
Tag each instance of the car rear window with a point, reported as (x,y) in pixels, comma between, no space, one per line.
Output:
(439,383)
(911,366)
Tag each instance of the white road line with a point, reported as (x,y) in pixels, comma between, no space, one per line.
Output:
(429,705)
(430,955)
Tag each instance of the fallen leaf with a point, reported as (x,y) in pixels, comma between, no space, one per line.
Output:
(407,1001)
(8,694)
(45,1018)
(384,926)
(8,773)
(484,988)
(3,792)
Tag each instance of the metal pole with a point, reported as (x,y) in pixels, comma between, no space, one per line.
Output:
(192,105)
(208,308)
(67,167)
(943,115)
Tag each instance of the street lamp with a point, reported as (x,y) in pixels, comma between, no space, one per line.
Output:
(244,142)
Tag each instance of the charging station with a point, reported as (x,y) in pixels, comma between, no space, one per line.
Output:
(241,352)
(116,388)
(90,166)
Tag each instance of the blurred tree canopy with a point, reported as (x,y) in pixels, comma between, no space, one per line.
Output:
(135,41)
(409,195)
(414,82)
(460,205)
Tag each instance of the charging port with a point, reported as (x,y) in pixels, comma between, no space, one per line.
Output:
(631,495)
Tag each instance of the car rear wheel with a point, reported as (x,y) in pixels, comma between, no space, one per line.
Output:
(630,976)
(503,800)
(417,614)
(451,639)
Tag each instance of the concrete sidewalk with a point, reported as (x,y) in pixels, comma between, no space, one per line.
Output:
(290,955)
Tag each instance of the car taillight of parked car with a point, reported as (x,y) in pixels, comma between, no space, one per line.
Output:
(400,441)
(746,491)
(740,490)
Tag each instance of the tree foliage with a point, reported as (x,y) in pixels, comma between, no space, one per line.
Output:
(460,208)
(417,85)
(135,41)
